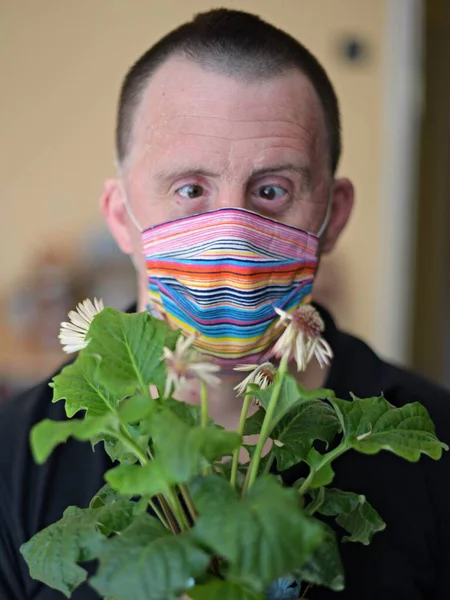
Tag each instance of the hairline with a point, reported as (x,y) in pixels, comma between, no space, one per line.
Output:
(238,75)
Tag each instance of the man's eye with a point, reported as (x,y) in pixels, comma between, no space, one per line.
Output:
(271,192)
(191,191)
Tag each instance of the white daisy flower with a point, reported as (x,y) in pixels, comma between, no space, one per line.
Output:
(302,338)
(262,375)
(184,363)
(72,335)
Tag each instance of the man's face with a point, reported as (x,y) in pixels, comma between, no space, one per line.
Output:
(203,141)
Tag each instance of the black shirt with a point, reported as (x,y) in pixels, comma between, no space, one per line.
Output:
(410,560)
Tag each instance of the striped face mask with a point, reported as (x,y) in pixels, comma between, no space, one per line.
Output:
(222,273)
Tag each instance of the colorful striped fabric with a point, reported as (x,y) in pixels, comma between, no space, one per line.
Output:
(221,274)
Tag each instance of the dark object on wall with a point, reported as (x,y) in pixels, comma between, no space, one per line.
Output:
(353,49)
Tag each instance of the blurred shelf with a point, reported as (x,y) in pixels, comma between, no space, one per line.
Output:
(24,362)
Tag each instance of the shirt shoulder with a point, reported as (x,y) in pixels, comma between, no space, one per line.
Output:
(411,497)
(360,370)
(34,496)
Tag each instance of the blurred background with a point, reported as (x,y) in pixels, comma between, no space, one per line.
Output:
(61,68)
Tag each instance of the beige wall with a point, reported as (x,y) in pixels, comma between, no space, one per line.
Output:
(62,63)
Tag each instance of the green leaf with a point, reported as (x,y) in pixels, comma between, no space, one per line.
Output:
(136,408)
(325,566)
(131,348)
(373,424)
(47,434)
(266,535)
(354,514)
(291,394)
(224,590)
(118,515)
(180,452)
(214,443)
(190,414)
(137,480)
(79,384)
(140,558)
(53,553)
(317,502)
(324,475)
(294,434)
(105,495)
(116,449)
(183,450)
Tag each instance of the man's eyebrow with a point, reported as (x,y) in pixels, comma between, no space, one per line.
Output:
(178,172)
(169,174)
(300,169)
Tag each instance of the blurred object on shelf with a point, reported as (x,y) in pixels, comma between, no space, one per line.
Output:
(57,279)
(106,272)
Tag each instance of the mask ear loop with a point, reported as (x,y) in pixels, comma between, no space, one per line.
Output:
(126,201)
(327,217)
(131,213)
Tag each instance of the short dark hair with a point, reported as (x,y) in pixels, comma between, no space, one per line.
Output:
(239,44)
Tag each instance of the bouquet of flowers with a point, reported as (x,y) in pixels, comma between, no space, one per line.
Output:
(181,512)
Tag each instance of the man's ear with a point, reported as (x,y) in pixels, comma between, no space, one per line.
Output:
(112,203)
(341,209)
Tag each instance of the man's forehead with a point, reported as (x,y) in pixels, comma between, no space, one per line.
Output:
(181,89)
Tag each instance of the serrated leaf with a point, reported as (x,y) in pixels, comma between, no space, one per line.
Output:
(116,449)
(79,384)
(224,590)
(141,555)
(131,347)
(291,394)
(294,434)
(325,566)
(105,495)
(118,515)
(136,408)
(53,553)
(47,434)
(269,519)
(373,424)
(354,514)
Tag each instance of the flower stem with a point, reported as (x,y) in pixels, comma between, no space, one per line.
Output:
(267,423)
(243,417)
(126,438)
(307,483)
(178,511)
(270,462)
(188,501)
(170,519)
(326,459)
(158,513)
(204,413)
(204,404)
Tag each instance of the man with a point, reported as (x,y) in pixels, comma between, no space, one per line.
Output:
(228,112)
